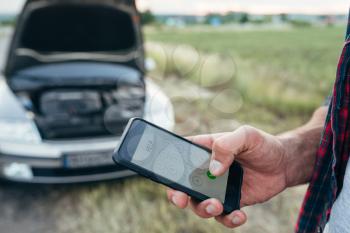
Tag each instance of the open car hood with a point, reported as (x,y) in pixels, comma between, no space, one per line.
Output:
(56,31)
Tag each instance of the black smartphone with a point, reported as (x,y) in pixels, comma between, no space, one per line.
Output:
(176,162)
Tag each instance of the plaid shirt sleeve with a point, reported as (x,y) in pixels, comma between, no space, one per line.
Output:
(332,155)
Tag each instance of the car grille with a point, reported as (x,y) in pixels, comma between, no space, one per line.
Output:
(67,172)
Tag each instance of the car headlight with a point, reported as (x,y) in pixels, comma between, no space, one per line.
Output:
(18,131)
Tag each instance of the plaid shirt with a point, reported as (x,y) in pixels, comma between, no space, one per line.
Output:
(333,153)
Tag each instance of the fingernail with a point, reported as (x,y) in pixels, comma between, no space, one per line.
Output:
(210,209)
(215,167)
(173,199)
(236,220)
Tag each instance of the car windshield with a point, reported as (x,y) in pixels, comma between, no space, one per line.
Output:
(76,28)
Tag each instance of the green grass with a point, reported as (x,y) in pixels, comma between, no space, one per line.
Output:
(285,74)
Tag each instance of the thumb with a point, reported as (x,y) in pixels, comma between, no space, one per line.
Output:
(228,146)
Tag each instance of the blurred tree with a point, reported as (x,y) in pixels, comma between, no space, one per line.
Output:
(212,16)
(231,17)
(267,19)
(8,23)
(7,20)
(284,17)
(300,23)
(244,18)
(147,17)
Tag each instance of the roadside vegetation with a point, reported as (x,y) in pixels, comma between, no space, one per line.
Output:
(281,75)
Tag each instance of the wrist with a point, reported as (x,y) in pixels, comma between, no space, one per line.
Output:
(300,154)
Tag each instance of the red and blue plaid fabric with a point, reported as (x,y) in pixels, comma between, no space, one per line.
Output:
(333,153)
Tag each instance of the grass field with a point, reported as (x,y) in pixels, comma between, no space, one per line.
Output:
(217,79)
(281,75)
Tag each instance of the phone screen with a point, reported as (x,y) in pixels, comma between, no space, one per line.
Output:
(178,161)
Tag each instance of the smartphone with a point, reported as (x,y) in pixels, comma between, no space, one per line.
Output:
(178,163)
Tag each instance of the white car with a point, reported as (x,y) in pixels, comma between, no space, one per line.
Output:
(73,77)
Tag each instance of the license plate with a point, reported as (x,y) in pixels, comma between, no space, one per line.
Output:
(88,159)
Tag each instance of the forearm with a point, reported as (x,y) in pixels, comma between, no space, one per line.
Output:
(301,147)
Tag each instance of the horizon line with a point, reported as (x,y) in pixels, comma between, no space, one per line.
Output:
(251,12)
(219,12)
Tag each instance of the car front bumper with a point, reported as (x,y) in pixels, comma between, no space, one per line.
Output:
(51,162)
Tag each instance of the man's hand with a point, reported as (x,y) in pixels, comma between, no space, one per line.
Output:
(263,159)
(270,164)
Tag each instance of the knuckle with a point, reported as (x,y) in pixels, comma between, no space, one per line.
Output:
(219,146)
(250,133)
(216,144)
(247,129)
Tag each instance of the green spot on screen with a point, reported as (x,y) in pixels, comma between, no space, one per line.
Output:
(211,176)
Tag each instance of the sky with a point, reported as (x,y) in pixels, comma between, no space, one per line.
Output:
(206,6)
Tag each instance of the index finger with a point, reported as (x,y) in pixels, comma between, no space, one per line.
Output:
(206,140)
